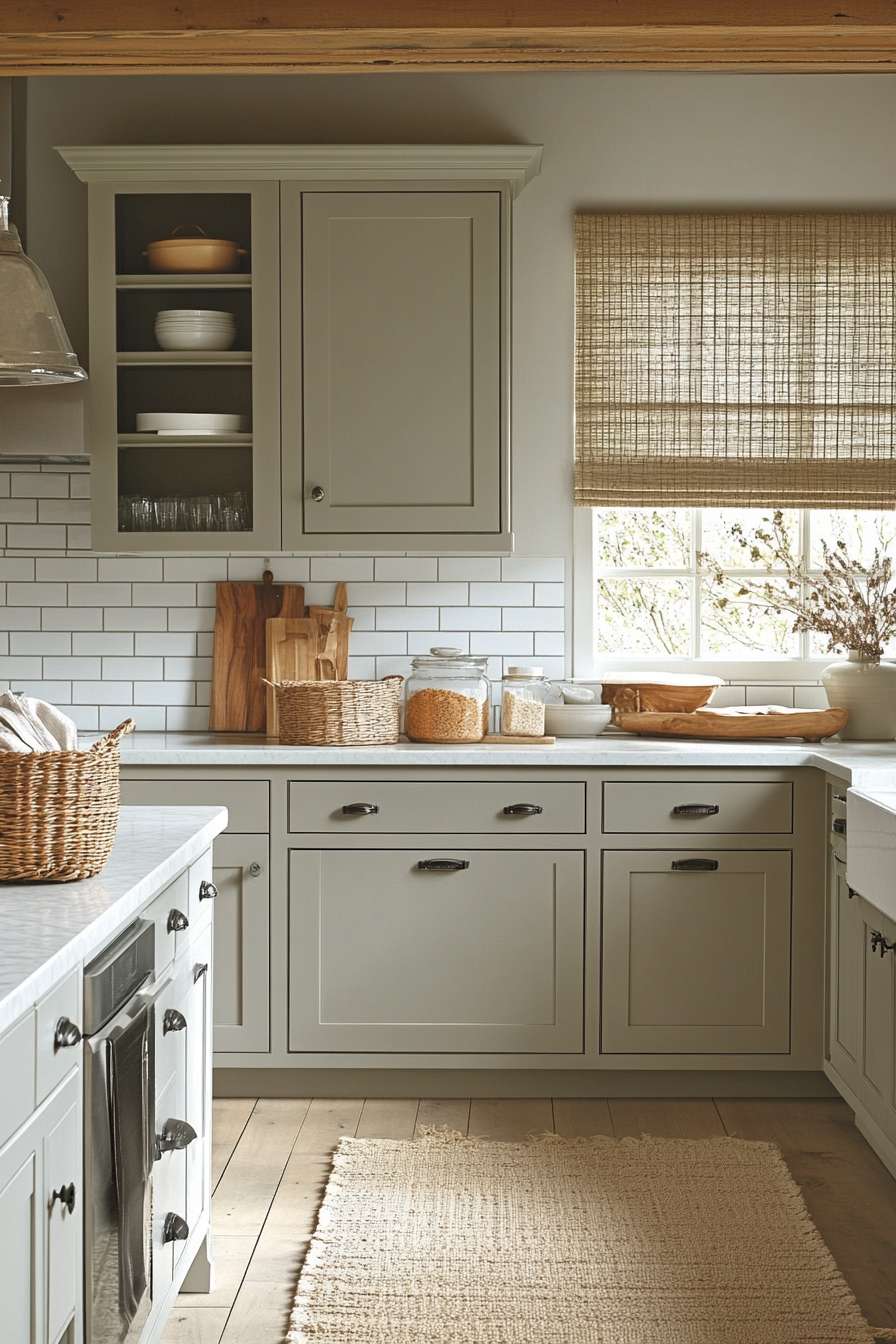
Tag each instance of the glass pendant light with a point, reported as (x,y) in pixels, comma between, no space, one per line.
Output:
(34,347)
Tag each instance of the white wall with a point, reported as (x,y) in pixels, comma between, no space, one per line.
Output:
(622,141)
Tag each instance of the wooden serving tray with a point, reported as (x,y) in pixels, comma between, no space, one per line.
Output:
(731,724)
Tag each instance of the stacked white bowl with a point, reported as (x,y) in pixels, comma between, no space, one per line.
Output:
(195,329)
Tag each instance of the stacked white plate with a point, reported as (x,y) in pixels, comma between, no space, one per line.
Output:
(195,329)
(190,422)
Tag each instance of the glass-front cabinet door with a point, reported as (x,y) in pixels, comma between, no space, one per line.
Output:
(185,365)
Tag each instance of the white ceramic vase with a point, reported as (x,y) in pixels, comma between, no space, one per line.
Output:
(867,688)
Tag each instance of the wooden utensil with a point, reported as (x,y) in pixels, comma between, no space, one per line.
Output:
(292,648)
(774,722)
(239,657)
(335,618)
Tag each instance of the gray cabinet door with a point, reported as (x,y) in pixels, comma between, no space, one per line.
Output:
(877,1085)
(696,962)
(241,1009)
(386,956)
(847,957)
(402,364)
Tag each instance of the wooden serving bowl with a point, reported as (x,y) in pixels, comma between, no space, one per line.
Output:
(645,697)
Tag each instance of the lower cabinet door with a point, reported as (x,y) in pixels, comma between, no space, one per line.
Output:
(21,1253)
(197,1010)
(242,943)
(436,950)
(63,1146)
(696,952)
(847,958)
(878,971)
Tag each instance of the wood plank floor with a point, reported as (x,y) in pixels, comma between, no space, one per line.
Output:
(271,1158)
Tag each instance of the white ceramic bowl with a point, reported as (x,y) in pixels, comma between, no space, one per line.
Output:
(170,338)
(189,422)
(576,720)
(194,315)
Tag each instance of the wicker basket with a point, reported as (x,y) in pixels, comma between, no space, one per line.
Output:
(59,811)
(338,713)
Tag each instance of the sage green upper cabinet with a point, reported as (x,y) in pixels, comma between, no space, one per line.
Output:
(402,317)
(371,366)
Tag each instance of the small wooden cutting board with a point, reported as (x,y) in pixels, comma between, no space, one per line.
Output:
(730,725)
(238,661)
(292,648)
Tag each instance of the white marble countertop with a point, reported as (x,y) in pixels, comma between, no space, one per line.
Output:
(863,764)
(47,928)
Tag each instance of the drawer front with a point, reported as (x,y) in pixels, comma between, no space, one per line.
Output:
(247,801)
(175,897)
(431,808)
(386,955)
(54,1062)
(17,1073)
(741,808)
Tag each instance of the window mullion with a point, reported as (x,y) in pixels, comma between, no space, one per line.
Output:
(696,587)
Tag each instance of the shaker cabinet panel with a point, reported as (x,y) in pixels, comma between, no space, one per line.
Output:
(403,421)
(846,959)
(242,943)
(386,955)
(696,962)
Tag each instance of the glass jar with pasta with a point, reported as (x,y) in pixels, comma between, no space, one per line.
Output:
(447,697)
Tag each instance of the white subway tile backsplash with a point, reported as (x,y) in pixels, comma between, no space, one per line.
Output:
(19,618)
(205,645)
(438,594)
(109,692)
(728,697)
(405,568)
(205,569)
(407,618)
(182,719)
(164,693)
(190,618)
(549,642)
(364,618)
(533,618)
(35,536)
(16,568)
(534,569)
(341,569)
(517,643)
(67,569)
(107,643)
(78,537)
(4,485)
(99,594)
(424,641)
(470,618)
(63,511)
(373,595)
(130,569)
(774,694)
(188,669)
(204,696)
(39,485)
(206,595)
(149,669)
(40,642)
(478,569)
(549,594)
(136,618)
(11,667)
(361,669)
(36,595)
(379,642)
(165,644)
(810,697)
(148,718)
(72,618)
(86,718)
(18,511)
(501,594)
(79,486)
(86,668)
(165,594)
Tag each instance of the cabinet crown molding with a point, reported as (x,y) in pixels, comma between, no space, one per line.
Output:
(514,164)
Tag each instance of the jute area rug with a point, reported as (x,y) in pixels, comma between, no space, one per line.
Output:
(446,1240)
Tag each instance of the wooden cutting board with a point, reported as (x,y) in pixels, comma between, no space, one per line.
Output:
(293,643)
(810,724)
(238,661)
(334,622)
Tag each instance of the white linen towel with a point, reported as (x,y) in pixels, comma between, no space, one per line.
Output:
(27,724)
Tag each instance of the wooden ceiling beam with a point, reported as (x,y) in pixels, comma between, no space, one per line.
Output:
(307,36)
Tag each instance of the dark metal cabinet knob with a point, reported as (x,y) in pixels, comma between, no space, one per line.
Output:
(317,494)
(66,1034)
(523,810)
(880,944)
(838,825)
(177,921)
(174,1228)
(199,971)
(696,810)
(255,870)
(207,891)
(360,810)
(443,865)
(694,865)
(66,1196)
(172,1020)
(175,1135)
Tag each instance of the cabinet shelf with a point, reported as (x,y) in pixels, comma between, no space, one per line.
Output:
(184,280)
(184,358)
(185,440)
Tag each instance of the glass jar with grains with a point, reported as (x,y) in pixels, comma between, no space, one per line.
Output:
(522,704)
(447,698)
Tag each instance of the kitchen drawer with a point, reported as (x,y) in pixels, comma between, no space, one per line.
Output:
(247,801)
(17,1073)
(175,898)
(433,808)
(750,807)
(53,1063)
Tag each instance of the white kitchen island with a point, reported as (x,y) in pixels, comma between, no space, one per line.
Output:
(48,931)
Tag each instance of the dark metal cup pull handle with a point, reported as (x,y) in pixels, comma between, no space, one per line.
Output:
(523,810)
(199,971)
(177,921)
(66,1034)
(360,809)
(66,1195)
(696,810)
(695,865)
(175,1229)
(880,944)
(443,865)
(173,1021)
(838,825)
(176,1134)
(207,891)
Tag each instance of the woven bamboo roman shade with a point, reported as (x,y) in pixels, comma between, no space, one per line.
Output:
(736,360)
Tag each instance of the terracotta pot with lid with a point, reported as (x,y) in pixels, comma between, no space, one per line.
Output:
(203,254)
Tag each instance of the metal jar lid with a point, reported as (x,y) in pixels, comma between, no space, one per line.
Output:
(525,673)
